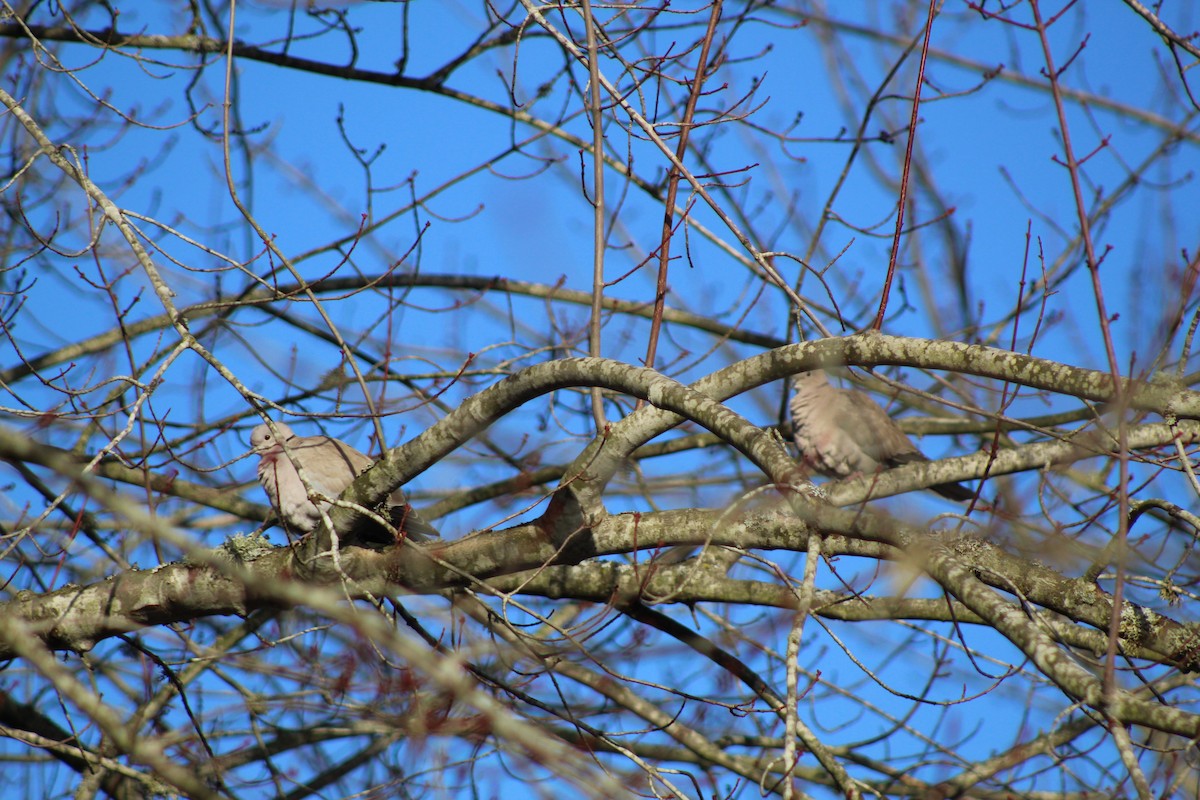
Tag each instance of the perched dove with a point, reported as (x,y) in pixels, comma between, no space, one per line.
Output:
(841,432)
(330,465)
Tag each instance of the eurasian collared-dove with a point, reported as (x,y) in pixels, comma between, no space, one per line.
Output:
(842,432)
(330,465)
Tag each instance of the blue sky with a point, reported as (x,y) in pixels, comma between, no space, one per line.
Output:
(526,217)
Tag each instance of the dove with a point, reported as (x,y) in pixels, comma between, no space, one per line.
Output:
(841,432)
(330,465)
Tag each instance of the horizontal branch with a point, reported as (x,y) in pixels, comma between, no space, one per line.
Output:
(223,581)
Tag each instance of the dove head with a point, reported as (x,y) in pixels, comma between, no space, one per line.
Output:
(812,378)
(262,440)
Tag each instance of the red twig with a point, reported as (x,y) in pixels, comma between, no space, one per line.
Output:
(908,152)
